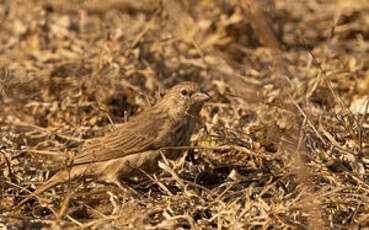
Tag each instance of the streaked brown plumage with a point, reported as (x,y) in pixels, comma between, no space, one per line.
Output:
(134,145)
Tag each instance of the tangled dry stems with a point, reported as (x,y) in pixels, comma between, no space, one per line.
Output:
(283,143)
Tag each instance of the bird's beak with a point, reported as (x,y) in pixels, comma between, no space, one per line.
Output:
(200,97)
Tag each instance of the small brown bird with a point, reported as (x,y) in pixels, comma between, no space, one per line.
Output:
(135,145)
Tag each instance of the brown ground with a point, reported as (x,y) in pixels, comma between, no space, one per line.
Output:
(283,142)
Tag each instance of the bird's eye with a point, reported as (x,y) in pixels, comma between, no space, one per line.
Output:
(184,92)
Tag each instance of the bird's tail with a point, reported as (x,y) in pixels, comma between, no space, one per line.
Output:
(53,181)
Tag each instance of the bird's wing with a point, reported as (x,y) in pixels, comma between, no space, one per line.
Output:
(130,138)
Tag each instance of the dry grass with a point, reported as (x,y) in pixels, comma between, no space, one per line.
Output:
(283,144)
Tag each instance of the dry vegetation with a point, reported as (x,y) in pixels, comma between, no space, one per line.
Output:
(283,143)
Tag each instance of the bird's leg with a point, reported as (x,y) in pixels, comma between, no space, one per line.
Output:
(126,188)
(121,185)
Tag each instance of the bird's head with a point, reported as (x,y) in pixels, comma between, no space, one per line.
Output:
(184,98)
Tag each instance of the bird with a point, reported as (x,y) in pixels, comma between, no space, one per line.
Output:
(137,145)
